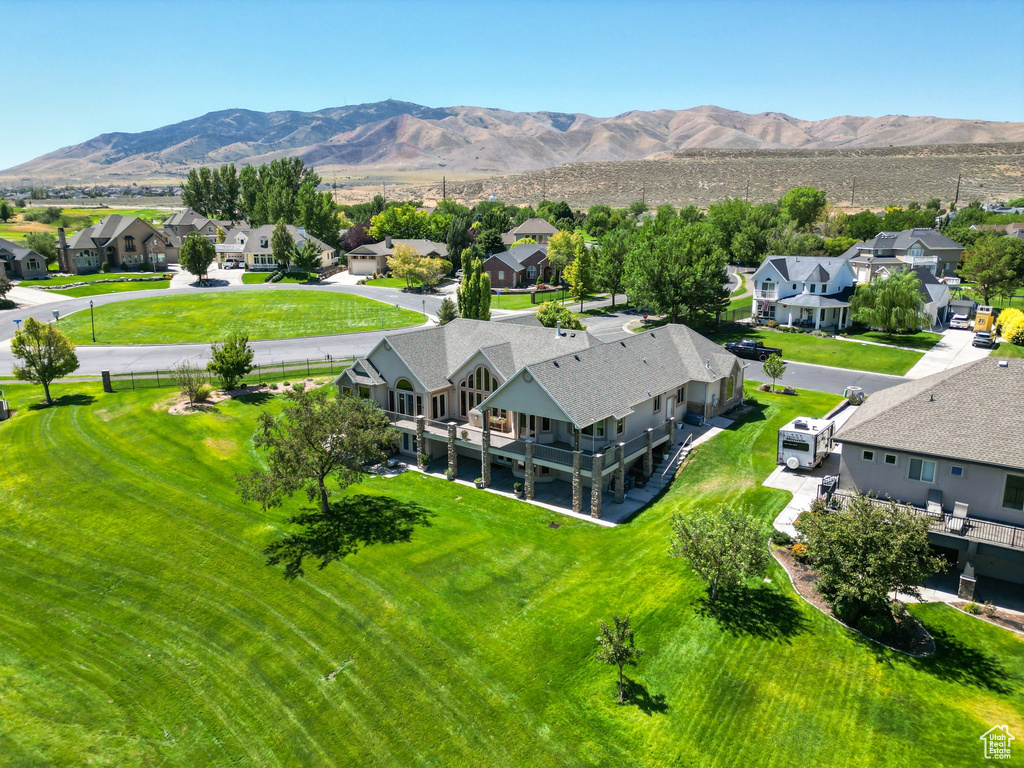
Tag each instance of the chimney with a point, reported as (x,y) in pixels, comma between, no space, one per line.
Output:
(60,238)
(63,260)
(387,241)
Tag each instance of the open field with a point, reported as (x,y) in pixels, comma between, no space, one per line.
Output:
(805,348)
(140,624)
(16,229)
(269,314)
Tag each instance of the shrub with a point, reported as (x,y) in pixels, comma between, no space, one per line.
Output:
(203,393)
(46,215)
(449,474)
(873,626)
(988,609)
(104,267)
(781,538)
(424,459)
(1011,325)
(972,608)
(517,487)
(772,323)
(799,551)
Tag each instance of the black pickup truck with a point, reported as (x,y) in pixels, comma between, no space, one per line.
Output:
(752,350)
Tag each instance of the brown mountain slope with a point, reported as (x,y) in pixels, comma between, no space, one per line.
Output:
(399,136)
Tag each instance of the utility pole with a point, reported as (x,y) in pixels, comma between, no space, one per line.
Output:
(643,193)
(853,192)
(444,188)
(746,195)
(384,190)
(957,198)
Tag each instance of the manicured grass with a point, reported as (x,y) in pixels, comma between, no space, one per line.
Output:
(742,286)
(923,340)
(805,348)
(140,624)
(522,300)
(1005,349)
(744,305)
(200,317)
(67,279)
(97,289)
(387,282)
(257,278)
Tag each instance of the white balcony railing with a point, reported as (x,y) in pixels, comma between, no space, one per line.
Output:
(766,295)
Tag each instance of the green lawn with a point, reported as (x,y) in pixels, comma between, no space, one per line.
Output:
(522,300)
(387,282)
(804,348)
(742,286)
(1005,349)
(200,317)
(67,279)
(923,340)
(257,278)
(97,289)
(140,624)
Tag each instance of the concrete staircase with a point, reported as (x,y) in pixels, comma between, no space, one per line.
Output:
(665,471)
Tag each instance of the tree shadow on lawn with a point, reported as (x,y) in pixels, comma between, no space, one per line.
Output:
(255,398)
(353,522)
(752,410)
(637,695)
(953,661)
(63,400)
(758,611)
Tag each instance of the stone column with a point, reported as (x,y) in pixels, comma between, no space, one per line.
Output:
(649,455)
(421,442)
(596,483)
(453,460)
(485,451)
(620,475)
(577,482)
(672,429)
(528,480)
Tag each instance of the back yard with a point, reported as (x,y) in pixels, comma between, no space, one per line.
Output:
(140,624)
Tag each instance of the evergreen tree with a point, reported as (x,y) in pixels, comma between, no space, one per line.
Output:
(446,312)
(281,245)
(474,295)
(458,239)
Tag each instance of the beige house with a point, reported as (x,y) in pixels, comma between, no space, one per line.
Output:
(20,263)
(251,245)
(184,223)
(373,257)
(548,404)
(540,230)
(908,249)
(122,242)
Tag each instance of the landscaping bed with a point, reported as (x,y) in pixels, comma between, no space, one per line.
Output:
(1011,620)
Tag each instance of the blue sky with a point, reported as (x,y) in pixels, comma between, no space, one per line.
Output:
(90,71)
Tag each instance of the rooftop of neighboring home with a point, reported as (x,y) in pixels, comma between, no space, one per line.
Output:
(105,230)
(516,255)
(534,226)
(889,244)
(931,288)
(1009,229)
(807,269)
(949,414)
(16,252)
(257,240)
(386,246)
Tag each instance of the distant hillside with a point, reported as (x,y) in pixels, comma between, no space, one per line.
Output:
(399,136)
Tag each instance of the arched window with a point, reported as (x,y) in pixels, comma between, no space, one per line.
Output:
(475,388)
(406,403)
(129,243)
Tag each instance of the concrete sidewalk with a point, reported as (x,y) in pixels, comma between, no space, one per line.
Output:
(33,297)
(954,349)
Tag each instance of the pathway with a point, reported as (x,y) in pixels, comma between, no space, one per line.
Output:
(954,349)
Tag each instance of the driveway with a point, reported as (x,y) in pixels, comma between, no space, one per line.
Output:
(954,349)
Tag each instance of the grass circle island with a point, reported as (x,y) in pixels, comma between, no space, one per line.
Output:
(206,317)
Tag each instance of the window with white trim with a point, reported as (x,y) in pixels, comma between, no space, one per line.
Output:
(956,471)
(657,403)
(868,455)
(890,459)
(922,470)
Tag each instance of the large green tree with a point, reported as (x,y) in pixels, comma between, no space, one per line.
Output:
(474,294)
(991,263)
(196,254)
(317,437)
(580,275)
(802,205)
(891,304)
(282,246)
(610,260)
(678,269)
(563,248)
(42,354)
(44,244)
(723,546)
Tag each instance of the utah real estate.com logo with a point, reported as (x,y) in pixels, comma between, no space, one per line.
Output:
(997,743)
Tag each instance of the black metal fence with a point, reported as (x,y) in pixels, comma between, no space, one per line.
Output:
(261,373)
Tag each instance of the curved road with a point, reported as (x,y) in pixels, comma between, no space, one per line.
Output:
(94,359)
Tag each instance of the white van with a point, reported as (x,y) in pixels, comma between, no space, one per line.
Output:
(805,443)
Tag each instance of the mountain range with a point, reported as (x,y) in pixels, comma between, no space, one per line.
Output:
(397,136)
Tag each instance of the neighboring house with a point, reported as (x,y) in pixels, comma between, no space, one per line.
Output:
(933,439)
(518,266)
(122,242)
(540,230)
(373,257)
(1014,229)
(935,294)
(921,247)
(252,246)
(810,291)
(184,223)
(549,404)
(20,263)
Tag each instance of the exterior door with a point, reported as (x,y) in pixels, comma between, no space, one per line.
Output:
(406,403)
(671,405)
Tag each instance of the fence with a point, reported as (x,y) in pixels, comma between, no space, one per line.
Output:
(261,373)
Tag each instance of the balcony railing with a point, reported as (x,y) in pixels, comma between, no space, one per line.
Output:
(975,528)
(772,295)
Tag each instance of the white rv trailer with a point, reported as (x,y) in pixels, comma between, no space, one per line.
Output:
(805,442)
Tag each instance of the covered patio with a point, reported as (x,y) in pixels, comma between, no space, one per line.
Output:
(817,311)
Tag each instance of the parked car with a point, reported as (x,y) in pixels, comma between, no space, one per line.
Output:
(983,339)
(458,274)
(232,264)
(959,321)
(751,349)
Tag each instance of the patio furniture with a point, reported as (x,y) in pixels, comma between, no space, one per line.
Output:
(934,505)
(959,519)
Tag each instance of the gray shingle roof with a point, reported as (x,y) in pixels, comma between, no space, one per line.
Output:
(534,226)
(434,354)
(803,269)
(901,241)
(103,230)
(841,299)
(255,237)
(18,252)
(948,414)
(422,247)
(607,380)
(930,288)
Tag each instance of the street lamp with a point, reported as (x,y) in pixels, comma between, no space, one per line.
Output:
(92,320)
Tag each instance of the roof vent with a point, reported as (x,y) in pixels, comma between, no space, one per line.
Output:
(931,398)
(576,358)
(799,424)
(1004,363)
(622,343)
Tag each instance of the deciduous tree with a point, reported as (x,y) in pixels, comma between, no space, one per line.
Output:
(282,246)
(231,360)
(990,263)
(892,304)
(610,261)
(317,436)
(563,248)
(723,546)
(196,255)
(802,205)
(579,273)
(189,378)
(773,368)
(43,353)
(617,647)
(308,258)
(5,286)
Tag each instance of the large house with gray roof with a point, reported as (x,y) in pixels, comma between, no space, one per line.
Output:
(20,263)
(373,257)
(184,223)
(536,229)
(121,242)
(809,291)
(518,266)
(251,245)
(549,404)
(948,444)
(910,248)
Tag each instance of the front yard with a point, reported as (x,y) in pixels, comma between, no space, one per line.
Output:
(140,624)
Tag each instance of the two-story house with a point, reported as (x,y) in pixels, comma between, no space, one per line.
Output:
(520,265)
(911,248)
(551,405)
(373,257)
(252,245)
(539,230)
(948,444)
(20,263)
(122,242)
(184,223)
(809,291)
